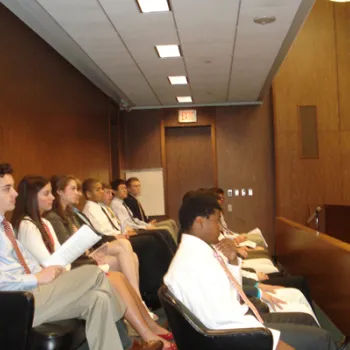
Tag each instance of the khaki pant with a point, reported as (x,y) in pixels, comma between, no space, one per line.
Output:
(169,225)
(82,293)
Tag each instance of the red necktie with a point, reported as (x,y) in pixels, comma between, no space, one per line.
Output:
(50,236)
(10,235)
(238,288)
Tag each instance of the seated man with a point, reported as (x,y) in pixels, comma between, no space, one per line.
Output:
(208,282)
(82,293)
(127,219)
(256,237)
(134,189)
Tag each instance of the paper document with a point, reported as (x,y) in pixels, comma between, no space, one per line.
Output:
(257,231)
(249,244)
(74,247)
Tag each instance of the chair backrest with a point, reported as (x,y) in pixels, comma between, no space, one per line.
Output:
(190,333)
(16,318)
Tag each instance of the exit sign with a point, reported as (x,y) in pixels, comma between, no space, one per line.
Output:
(188,116)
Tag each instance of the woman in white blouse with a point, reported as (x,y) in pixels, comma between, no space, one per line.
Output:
(38,236)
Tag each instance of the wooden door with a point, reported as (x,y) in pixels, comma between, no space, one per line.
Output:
(189,163)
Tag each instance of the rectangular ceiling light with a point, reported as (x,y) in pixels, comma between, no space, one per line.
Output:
(184,99)
(153,5)
(178,80)
(165,51)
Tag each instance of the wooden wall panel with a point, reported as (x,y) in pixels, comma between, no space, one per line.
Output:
(245,160)
(142,139)
(327,275)
(342,20)
(315,72)
(53,120)
(244,148)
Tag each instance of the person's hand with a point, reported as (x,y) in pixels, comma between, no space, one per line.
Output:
(228,248)
(242,252)
(241,238)
(273,301)
(281,345)
(48,274)
(122,236)
(262,276)
(131,233)
(268,288)
(152,222)
(150,227)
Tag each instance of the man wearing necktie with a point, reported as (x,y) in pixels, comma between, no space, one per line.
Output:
(206,277)
(82,293)
(134,190)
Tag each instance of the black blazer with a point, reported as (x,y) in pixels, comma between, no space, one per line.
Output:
(133,205)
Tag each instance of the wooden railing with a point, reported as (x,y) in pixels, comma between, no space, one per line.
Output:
(324,261)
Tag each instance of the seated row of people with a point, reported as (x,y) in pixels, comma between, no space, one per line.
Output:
(38,214)
(209,283)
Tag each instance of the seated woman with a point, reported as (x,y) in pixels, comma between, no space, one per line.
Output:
(66,219)
(38,236)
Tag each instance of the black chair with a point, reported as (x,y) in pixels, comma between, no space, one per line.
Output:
(16,332)
(190,334)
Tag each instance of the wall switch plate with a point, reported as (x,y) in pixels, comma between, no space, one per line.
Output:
(236,192)
(250,191)
(243,192)
(229,207)
(229,193)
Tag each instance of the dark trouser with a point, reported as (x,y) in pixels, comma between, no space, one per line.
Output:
(164,235)
(299,330)
(154,259)
(297,282)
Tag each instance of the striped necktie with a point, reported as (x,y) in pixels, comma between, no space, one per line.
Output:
(10,235)
(238,287)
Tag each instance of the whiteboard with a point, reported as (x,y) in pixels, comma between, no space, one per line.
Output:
(152,189)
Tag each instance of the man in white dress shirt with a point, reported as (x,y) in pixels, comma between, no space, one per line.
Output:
(134,190)
(127,219)
(82,293)
(204,286)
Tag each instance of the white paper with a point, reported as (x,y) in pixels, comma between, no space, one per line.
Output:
(74,247)
(249,244)
(257,231)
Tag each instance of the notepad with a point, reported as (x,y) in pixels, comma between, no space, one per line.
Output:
(74,247)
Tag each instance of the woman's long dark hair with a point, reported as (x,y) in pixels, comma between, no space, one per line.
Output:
(27,205)
(59,183)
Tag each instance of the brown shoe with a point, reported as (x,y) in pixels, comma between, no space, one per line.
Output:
(147,345)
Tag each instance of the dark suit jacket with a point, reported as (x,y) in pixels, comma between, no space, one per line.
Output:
(133,205)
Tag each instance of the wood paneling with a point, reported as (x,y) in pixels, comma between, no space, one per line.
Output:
(53,120)
(342,36)
(245,160)
(142,139)
(243,144)
(189,163)
(328,273)
(315,72)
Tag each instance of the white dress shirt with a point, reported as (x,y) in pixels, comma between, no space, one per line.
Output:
(125,215)
(201,284)
(12,275)
(100,219)
(30,237)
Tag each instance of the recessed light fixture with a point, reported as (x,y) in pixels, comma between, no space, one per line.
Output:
(153,6)
(264,20)
(166,51)
(184,99)
(178,80)
(340,0)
